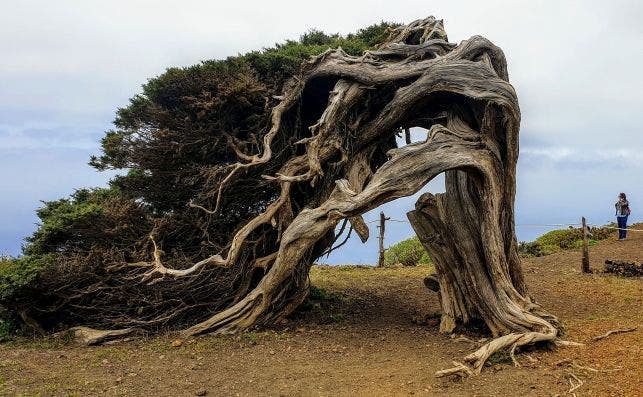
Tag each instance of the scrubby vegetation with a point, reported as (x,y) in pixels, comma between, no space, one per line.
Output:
(409,252)
(558,240)
(7,326)
(175,143)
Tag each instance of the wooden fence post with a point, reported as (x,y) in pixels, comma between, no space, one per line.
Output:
(407,135)
(382,226)
(585,262)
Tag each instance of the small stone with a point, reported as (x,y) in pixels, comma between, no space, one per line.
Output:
(119,379)
(272,352)
(201,392)
(105,361)
(177,343)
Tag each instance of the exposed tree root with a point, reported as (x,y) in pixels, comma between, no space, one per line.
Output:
(509,342)
(327,153)
(575,365)
(459,369)
(573,385)
(89,336)
(614,331)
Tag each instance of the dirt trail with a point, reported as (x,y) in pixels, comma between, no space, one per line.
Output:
(362,341)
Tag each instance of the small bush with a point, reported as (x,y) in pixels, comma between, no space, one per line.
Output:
(558,240)
(8,327)
(563,239)
(409,252)
(18,275)
(529,249)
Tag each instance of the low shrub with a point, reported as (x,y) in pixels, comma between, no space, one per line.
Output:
(8,326)
(409,252)
(18,276)
(563,239)
(530,249)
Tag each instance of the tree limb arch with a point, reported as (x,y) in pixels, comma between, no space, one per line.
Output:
(240,173)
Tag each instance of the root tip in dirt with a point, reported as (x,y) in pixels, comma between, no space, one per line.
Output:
(89,336)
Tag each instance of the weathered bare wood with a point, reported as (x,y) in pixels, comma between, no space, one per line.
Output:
(89,336)
(382,230)
(614,331)
(462,95)
(585,261)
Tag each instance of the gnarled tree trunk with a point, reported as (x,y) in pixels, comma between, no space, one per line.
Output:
(461,93)
(347,162)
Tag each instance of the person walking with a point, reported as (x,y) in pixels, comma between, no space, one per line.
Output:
(622,212)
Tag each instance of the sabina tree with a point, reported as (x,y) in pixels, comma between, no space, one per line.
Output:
(239,170)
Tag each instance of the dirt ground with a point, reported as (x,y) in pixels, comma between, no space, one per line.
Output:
(361,340)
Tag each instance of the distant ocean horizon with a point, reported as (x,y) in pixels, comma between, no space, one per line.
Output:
(547,194)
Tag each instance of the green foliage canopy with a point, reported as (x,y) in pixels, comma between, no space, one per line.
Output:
(173,145)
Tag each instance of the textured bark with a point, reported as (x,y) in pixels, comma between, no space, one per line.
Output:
(348,163)
(89,336)
(462,94)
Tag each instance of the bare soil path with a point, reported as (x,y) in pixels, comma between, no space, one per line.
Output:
(361,340)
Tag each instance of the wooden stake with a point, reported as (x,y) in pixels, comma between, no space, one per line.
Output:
(585,263)
(382,226)
(407,135)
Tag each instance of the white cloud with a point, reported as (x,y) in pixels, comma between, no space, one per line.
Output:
(583,158)
(575,64)
(39,134)
(67,65)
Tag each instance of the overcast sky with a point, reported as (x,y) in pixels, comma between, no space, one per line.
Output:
(576,65)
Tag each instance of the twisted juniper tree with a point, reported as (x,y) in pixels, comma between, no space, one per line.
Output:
(241,170)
